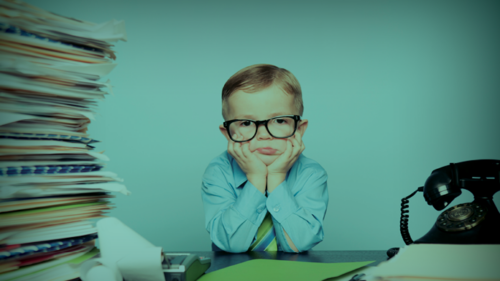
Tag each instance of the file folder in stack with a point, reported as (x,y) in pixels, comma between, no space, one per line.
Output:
(52,181)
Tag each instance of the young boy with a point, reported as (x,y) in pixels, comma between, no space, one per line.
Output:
(262,193)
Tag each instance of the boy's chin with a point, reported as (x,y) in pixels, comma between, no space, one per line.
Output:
(267,159)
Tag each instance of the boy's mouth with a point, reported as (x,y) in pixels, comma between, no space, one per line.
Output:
(266,150)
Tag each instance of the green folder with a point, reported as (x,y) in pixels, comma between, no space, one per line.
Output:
(276,270)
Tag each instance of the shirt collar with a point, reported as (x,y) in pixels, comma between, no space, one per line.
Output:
(239,176)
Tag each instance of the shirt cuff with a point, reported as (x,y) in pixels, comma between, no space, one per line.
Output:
(251,203)
(281,203)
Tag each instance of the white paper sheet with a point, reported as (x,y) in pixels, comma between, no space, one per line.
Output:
(44,163)
(100,176)
(53,66)
(72,154)
(59,231)
(10,117)
(40,143)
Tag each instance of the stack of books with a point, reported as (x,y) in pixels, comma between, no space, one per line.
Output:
(52,182)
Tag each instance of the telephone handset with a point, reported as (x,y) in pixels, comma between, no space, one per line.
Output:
(470,223)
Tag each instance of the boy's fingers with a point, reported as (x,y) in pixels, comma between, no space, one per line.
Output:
(243,147)
(296,153)
(230,147)
(236,147)
(289,149)
(298,137)
(298,148)
(299,143)
(245,150)
(249,153)
(239,145)
(302,143)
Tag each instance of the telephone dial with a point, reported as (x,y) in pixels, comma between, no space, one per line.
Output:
(477,222)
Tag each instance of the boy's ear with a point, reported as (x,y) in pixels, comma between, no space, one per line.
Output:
(224,131)
(302,126)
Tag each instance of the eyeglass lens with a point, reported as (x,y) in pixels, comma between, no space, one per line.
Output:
(280,128)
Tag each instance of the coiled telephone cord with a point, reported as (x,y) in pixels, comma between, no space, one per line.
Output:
(403,223)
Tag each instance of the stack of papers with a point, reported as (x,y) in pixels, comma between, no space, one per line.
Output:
(441,262)
(52,182)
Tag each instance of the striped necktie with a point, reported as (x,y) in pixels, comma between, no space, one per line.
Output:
(266,237)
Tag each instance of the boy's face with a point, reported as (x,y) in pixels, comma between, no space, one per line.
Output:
(267,103)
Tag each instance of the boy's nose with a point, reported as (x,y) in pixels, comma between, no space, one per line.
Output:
(262,132)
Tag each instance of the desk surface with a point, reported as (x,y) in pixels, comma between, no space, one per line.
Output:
(222,259)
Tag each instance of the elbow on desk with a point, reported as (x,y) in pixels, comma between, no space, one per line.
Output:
(304,245)
(225,244)
(231,249)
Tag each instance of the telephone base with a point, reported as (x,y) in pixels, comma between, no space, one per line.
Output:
(485,233)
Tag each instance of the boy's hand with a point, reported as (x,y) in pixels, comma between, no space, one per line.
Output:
(276,172)
(252,166)
(285,161)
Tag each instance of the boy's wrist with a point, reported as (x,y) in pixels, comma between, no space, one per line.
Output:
(273,180)
(259,181)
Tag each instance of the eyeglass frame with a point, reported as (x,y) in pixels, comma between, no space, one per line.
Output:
(296,118)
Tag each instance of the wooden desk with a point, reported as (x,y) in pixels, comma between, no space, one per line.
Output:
(223,259)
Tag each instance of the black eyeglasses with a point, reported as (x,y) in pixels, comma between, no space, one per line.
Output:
(280,127)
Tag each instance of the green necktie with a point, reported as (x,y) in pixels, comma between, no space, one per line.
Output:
(266,237)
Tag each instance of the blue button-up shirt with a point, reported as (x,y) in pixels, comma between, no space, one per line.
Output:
(234,208)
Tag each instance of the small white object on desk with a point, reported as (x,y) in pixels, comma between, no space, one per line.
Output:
(124,254)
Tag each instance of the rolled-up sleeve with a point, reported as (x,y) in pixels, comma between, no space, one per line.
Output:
(232,220)
(299,207)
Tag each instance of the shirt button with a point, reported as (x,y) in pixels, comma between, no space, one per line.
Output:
(260,210)
(277,209)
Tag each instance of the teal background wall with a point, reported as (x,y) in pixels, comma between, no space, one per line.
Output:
(392,90)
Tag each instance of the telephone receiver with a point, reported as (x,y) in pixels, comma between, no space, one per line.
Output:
(470,223)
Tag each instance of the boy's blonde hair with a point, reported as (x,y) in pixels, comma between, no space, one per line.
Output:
(257,77)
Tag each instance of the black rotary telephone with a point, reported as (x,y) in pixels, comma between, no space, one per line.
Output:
(477,222)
